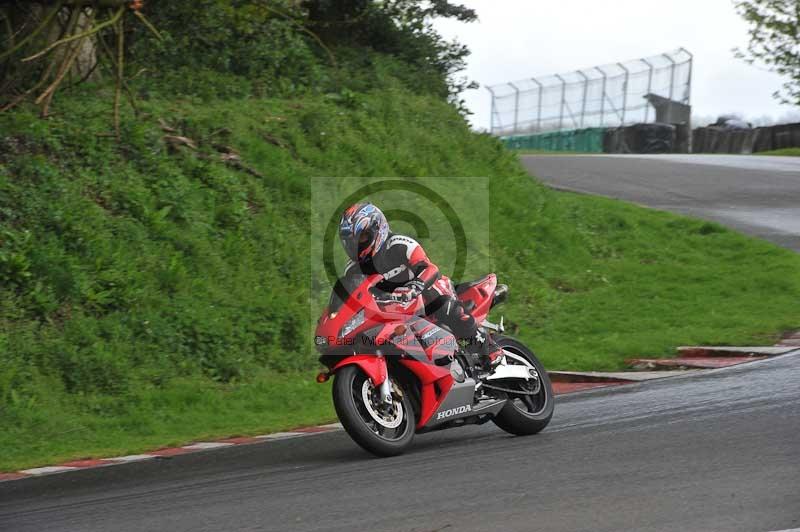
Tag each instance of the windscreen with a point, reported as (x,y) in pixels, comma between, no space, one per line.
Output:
(342,290)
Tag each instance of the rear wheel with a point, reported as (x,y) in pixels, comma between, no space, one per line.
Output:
(380,429)
(531,410)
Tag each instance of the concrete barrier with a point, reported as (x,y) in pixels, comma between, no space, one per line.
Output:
(644,138)
(715,139)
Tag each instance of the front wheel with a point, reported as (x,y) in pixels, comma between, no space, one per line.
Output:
(380,429)
(530,411)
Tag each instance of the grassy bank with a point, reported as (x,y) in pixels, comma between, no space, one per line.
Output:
(152,293)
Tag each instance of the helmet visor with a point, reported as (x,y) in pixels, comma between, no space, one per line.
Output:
(350,245)
(355,245)
(365,240)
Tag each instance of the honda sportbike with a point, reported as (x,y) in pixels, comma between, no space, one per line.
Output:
(396,373)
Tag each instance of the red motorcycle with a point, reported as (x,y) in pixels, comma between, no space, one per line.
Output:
(397,373)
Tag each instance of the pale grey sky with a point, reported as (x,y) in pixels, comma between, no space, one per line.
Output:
(517,39)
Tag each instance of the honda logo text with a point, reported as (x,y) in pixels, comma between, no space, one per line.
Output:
(454,411)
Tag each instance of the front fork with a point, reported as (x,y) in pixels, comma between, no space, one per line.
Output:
(375,368)
(386,391)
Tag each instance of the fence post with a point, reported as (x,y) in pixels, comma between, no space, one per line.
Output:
(624,91)
(671,75)
(492,112)
(538,105)
(603,96)
(585,94)
(516,106)
(687,98)
(649,87)
(563,101)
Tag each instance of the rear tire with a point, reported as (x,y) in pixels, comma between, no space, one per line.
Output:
(524,416)
(358,419)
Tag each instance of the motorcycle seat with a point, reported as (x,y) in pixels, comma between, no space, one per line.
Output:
(463,287)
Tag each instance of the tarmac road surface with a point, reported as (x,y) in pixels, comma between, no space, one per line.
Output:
(758,195)
(717,451)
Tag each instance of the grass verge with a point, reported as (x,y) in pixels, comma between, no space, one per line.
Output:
(183,411)
(786,152)
(606,280)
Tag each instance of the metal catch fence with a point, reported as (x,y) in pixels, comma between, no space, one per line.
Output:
(602,96)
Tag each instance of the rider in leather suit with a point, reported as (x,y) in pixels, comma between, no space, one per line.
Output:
(407,273)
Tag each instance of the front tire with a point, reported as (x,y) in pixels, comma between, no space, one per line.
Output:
(526,414)
(381,432)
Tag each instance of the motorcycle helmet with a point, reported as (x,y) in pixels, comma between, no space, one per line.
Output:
(363,231)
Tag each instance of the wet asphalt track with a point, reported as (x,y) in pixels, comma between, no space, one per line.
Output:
(758,195)
(718,451)
(703,453)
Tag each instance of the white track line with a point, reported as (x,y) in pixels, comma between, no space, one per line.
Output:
(48,470)
(131,458)
(207,445)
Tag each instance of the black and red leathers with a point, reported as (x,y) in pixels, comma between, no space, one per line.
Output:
(407,269)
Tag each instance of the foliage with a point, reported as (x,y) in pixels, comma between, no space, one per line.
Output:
(401,29)
(234,49)
(219,48)
(47,44)
(285,48)
(774,41)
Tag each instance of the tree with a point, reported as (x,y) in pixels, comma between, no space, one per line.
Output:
(45,44)
(774,41)
(400,28)
(221,47)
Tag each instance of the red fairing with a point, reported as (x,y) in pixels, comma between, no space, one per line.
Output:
(330,323)
(432,378)
(373,366)
(482,295)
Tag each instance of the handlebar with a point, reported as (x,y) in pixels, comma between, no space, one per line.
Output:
(389,299)
(384,298)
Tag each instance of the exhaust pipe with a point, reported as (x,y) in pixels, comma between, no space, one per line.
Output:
(500,294)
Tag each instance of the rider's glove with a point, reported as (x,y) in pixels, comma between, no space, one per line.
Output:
(410,290)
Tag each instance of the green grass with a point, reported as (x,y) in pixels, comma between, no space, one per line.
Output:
(787,152)
(604,281)
(153,295)
(183,411)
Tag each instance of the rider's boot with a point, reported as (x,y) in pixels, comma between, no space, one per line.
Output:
(484,346)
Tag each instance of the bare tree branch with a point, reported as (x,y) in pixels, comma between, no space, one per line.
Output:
(45,24)
(83,35)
